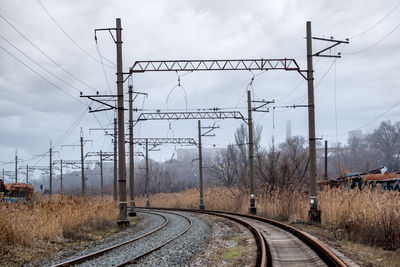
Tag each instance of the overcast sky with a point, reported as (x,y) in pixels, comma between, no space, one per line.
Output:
(362,84)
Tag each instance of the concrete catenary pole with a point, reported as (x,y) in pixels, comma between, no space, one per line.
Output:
(252,209)
(146,185)
(314,215)
(326,159)
(16,167)
(132,211)
(200,167)
(123,210)
(50,170)
(27,170)
(115,160)
(101,174)
(82,166)
(61,177)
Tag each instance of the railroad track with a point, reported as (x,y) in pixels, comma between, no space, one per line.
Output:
(93,258)
(278,244)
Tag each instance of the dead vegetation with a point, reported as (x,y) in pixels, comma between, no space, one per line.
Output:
(51,220)
(366,217)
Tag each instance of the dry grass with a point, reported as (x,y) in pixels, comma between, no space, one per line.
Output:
(50,220)
(363,216)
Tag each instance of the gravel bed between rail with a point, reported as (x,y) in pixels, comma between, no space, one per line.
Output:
(175,226)
(183,250)
(148,222)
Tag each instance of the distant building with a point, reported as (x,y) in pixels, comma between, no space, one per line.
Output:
(288,130)
(355,134)
(362,138)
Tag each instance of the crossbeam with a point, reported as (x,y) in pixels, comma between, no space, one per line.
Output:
(75,163)
(157,141)
(191,115)
(208,65)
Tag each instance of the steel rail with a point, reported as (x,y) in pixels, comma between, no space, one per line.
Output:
(136,258)
(263,251)
(324,253)
(96,254)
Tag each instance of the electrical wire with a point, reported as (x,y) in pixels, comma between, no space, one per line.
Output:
(72,40)
(39,65)
(375,44)
(44,54)
(377,23)
(369,122)
(179,86)
(102,66)
(41,76)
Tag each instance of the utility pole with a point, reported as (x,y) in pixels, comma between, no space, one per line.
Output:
(82,142)
(146,186)
(16,167)
(115,160)
(61,177)
(101,174)
(200,167)
(314,214)
(27,170)
(51,170)
(123,210)
(82,166)
(252,209)
(326,159)
(132,211)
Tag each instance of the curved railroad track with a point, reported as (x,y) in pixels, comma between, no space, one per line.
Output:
(282,244)
(278,244)
(90,259)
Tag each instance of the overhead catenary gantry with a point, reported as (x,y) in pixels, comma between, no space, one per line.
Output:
(187,115)
(261,65)
(215,65)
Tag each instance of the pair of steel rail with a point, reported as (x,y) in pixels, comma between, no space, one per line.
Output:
(264,257)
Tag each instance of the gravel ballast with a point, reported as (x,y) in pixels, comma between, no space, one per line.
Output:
(177,253)
(184,249)
(148,222)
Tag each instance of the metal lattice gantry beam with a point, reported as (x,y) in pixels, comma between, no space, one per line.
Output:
(159,141)
(76,164)
(208,65)
(191,115)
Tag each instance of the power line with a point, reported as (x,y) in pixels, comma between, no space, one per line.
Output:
(102,66)
(369,122)
(39,65)
(378,22)
(44,54)
(69,37)
(375,44)
(41,76)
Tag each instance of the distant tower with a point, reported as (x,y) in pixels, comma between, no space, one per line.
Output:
(288,130)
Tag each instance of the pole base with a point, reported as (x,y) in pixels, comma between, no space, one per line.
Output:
(132,210)
(123,223)
(253,210)
(132,213)
(201,206)
(314,216)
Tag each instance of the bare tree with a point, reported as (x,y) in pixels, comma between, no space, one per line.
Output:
(386,139)
(226,168)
